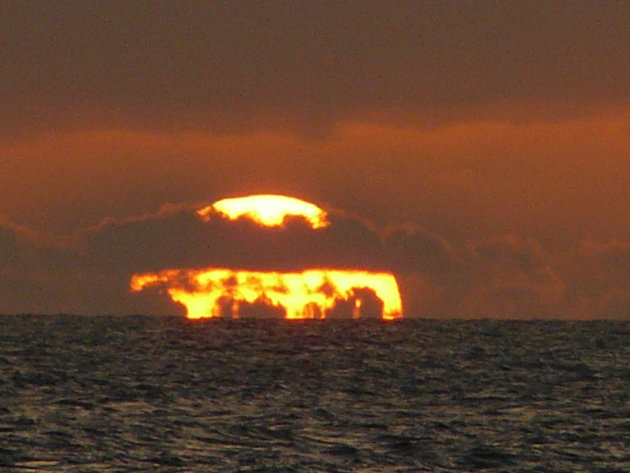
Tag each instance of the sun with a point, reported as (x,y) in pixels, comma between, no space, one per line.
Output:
(267,209)
(308,293)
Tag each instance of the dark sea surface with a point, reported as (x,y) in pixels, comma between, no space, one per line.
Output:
(125,394)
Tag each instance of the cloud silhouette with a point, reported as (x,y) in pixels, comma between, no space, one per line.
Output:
(600,280)
(9,249)
(178,237)
(34,271)
(503,277)
(507,277)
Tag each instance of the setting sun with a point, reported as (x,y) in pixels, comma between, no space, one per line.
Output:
(310,294)
(267,209)
(306,293)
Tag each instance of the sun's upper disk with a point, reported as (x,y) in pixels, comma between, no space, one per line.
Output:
(267,209)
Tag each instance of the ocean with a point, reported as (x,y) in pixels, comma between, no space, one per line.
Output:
(159,394)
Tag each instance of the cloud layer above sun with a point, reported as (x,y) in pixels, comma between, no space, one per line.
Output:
(242,66)
(504,277)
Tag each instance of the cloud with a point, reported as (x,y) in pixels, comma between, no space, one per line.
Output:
(9,249)
(411,248)
(503,277)
(499,277)
(244,66)
(93,268)
(600,280)
(614,255)
(560,181)
(34,271)
(177,237)
(513,278)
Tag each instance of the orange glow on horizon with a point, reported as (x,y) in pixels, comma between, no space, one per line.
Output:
(267,210)
(310,294)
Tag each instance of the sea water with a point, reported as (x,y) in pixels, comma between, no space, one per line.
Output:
(125,394)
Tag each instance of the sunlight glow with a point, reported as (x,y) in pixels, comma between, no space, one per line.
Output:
(314,293)
(267,210)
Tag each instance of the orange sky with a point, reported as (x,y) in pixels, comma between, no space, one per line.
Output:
(474,122)
(550,180)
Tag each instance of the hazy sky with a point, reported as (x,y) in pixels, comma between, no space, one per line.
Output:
(484,144)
